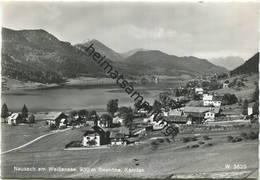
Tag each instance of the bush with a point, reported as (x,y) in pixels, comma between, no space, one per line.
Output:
(195,146)
(253,135)
(201,142)
(208,145)
(244,135)
(237,139)
(194,139)
(154,145)
(186,139)
(230,138)
(167,140)
(74,144)
(206,137)
(160,140)
(52,127)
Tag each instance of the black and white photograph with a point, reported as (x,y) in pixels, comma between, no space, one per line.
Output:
(130,90)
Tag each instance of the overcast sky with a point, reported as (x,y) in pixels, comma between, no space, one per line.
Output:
(183,29)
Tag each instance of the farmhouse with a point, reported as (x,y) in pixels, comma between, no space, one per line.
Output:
(14,119)
(117,138)
(183,119)
(58,119)
(212,113)
(95,137)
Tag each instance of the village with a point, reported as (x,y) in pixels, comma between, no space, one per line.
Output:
(200,102)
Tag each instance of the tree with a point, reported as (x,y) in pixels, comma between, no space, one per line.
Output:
(31,119)
(177,93)
(73,113)
(4,112)
(256,94)
(106,120)
(24,111)
(229,99)
(138,105)
(245,107)
(240,101)
(157,106)
(94,117)
(83,114)
(112,106)
(256,108)
(126,113)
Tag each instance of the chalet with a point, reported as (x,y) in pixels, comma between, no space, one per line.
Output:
(95,137)
(212,113)
(14,119)
(117,138)
(59,119)
(177,119)
(199,91)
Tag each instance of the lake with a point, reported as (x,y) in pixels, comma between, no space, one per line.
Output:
(64,98)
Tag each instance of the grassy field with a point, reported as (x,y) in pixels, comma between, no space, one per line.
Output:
(245,92)
(14,136)
(153,158)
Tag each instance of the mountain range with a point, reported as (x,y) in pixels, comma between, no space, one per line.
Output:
(37,55)
(229,62)
(250,66)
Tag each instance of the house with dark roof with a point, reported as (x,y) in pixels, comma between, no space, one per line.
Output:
(14,119)
(118,135)
(117,138)
(197,115)
(57,119)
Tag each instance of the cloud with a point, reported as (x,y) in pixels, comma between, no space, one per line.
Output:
(157,33)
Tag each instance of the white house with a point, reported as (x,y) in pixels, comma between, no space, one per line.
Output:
(210,100)
(207,97)
(226,84)
(199,90)
(173,112)
(149,119)
(158,125)
(117,120)
(14,119)
(91,138)
(250,110)
(211,113)
(95,137)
